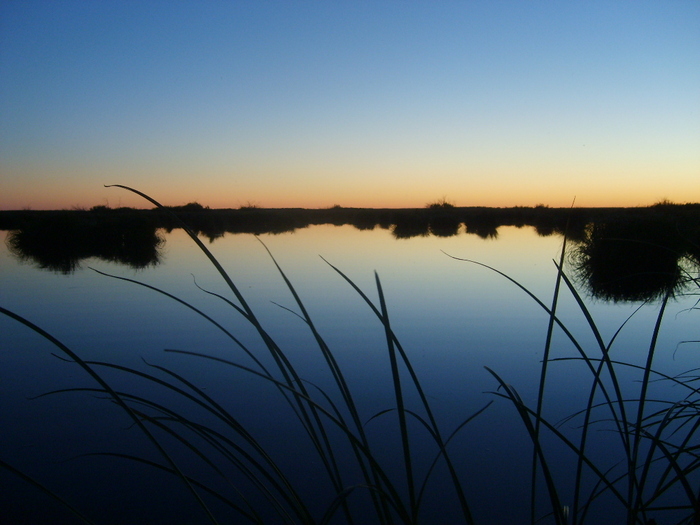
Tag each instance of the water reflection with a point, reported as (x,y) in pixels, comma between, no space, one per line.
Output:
(60,241)
(636,258)
(616,254)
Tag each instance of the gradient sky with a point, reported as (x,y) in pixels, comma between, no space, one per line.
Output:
(372,104)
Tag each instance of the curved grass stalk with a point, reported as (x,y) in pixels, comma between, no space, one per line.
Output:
(340,382)
(312,420)
(641,406)
(292,378)
(559,323)
(194,309)
(543,379)
(672,458)
(622,419)
(252,516)
(466,511)
(46,490)
(396,381)
(636,476)
(286,489)
(524,413)
(589,405)
(553,319)
(387,489)
(73,356)
(605,359)
(217,440)
(442,450)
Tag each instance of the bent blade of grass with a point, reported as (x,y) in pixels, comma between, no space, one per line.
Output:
(588,412)
(339,501)
(333,507)
(442,446)
(251,516)
(244,304)
(543,379)
(524,413)
(662,376)
(419,389)
(207,403)
(619,419)
(387,489)
(219,441)
(208,318)
(340,382)
(684,447)
(609,485)
(46,490)
(194,309)
(604,350)
(210,405)
(245,309)
(681,474)
(558,321)
(396,381)
(642,401)
(75,357)
(672,457)
(442,452)
(312,421)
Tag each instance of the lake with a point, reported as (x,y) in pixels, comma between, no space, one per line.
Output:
(453,318)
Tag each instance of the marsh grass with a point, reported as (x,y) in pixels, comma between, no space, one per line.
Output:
(656,438)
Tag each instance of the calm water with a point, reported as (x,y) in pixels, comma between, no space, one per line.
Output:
(453,318)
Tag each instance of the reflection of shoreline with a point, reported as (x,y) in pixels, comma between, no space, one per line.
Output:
(617,254)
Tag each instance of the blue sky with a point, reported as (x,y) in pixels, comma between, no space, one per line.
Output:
(355,103)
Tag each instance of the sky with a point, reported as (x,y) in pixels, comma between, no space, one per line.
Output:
(364,104)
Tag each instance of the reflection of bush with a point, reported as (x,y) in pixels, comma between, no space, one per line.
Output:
(444,225)
(634,259)
(59,241)
(483,228)
(366,220)
(408,225)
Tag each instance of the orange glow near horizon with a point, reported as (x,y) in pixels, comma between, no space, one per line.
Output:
(393,181)
(217,195)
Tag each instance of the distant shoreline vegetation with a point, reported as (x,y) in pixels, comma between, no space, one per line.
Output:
(440,218)
(617,254)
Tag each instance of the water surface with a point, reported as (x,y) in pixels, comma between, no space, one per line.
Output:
(453,318)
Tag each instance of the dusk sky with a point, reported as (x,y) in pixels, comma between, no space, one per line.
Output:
(368,104)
